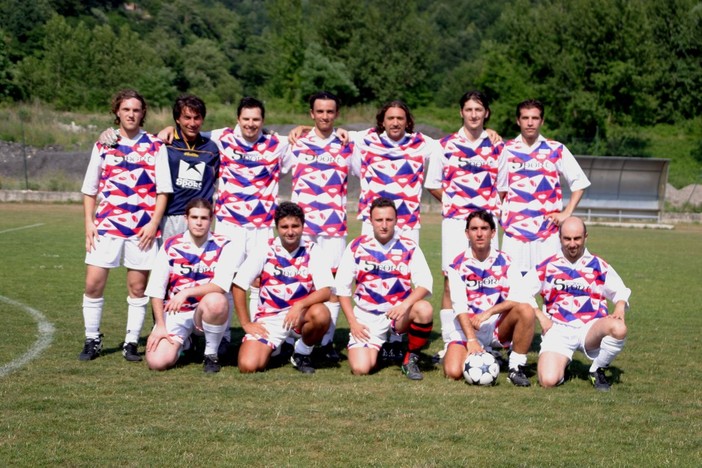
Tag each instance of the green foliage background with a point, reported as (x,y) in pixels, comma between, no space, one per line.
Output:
(607,70)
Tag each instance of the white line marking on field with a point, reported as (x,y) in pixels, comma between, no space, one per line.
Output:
(46,336)
(21,227)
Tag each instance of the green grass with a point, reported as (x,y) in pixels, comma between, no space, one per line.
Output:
(59,411)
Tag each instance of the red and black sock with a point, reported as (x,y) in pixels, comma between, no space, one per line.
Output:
(418,336)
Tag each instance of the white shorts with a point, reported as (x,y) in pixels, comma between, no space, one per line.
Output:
(333,247)
(277,333)
(181,325)
(173,225)
(108,251)
(250,237)
(526,255)
(566,339)
(451,331)
(367,230)
(454,240)
(378,324)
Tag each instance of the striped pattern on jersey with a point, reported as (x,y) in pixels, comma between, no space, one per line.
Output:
(394,171)
(320,183)
(127,187)
(383,277)
(469,177)
(285,278)
(534,190)
(247,193)
(485,287)
(191,266)
(574,292)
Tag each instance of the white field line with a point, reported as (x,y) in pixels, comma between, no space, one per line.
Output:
(46,336)
(21,227)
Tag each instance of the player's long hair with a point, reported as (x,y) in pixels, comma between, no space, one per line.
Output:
(128,94)
(380,116)
(478,97)
(193,103)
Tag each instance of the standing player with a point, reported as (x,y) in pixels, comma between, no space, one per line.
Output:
(193,161)
(295,282)
(320,168)
(193,270)
(575,286)
(385,266)
(124,196)
(463,177)
(487,311)
(529,184)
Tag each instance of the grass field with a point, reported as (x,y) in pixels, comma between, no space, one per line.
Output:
(55,410)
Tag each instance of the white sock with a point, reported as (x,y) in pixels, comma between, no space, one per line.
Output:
(253,302)
(136,311)
(395,337)
(610,347)
(213,336)
(334,312)
(302,348)
(92,315)
(516,360)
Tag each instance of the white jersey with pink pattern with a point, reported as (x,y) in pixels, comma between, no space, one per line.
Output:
(466,171)
(576,293)
(530,178)
(249,173)
(126,179)
(384,274)
(320,172)
(394,170)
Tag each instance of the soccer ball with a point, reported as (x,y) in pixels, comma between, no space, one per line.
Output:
(481,369)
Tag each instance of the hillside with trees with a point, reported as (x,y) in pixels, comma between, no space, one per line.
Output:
(607,70)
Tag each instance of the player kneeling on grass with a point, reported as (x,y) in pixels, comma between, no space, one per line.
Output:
(295,280)
(487,311)
(575,286)
(385,266)
(193,271)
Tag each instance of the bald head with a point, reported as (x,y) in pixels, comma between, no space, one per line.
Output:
(573,234)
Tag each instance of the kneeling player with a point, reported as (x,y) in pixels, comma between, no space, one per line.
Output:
(384,267)
(295,280)
(575,286)
(485,314)
(193,271)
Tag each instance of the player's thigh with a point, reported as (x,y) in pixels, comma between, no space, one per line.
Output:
(378,326)
(106,252)
(173,225)
(136,258)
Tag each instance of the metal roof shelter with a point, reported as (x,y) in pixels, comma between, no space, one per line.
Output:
(622,187)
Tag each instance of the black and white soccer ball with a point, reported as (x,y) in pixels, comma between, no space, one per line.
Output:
(481,369)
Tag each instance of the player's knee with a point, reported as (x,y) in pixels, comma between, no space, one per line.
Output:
(359,369)
(618,330)
(215,307)
(157,363)
(423,312)
(319,315)
(526,313)
(453,372)
(549,379)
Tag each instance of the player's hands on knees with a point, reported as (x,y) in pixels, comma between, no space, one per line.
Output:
(109,137)
(167,134)
(91,236)
(175,304)
(157,334)
(478,319)
(294,317)
(360,332)
(397,312)
(255,329)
